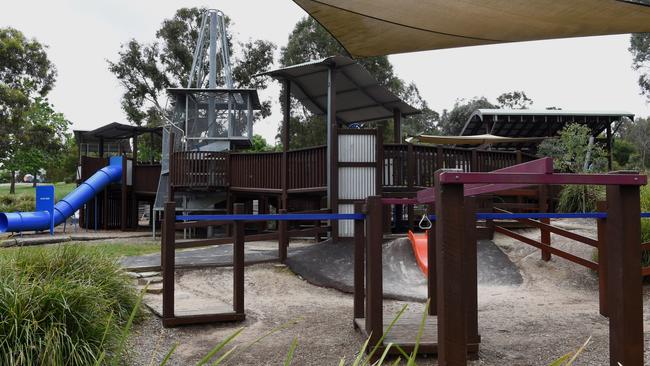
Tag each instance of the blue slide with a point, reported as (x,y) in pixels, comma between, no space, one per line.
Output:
(41,220)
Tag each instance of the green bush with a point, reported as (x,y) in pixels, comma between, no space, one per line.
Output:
(574,198)
(17,202)
(61,306)
(645,223)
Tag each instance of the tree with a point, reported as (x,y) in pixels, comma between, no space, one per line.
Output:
(514,100)
(637,133)
(146,70)
(640,48)
(310,41)
(452,122)
(572,152)
(259,144)
(42,141)
(25,73)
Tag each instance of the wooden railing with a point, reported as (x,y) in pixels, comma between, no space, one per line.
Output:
(199,169)
(256,170)
(405,167)
(307,168)
(415,165)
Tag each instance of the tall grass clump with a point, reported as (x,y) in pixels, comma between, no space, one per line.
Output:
(645,224)
(17,202)
(580,198)
(61,306)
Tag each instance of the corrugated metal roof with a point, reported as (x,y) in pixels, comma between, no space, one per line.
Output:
(359,96)
(382,27)
(538,123)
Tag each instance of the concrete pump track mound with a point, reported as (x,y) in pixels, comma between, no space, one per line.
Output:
(329,264)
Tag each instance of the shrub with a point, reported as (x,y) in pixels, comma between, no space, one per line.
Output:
(645,223)
(17,202)
(61,306)
(574,198)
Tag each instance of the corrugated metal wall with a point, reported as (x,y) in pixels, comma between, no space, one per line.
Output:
(355,183)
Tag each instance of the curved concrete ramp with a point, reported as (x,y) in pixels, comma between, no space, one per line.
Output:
(329,264)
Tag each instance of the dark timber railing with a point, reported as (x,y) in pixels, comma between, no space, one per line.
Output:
(406,166)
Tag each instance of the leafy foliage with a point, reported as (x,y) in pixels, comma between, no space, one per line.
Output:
(42,141)
(452,122)
(514,100)
(571,153)
(571,149)
(26,73)
(61,306)
(310,41)
(640,49)
(637,133)
(146,70)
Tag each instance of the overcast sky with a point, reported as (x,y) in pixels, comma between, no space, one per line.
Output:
(586,73)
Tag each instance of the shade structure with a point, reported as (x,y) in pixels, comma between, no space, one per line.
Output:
(381,27)
(360,97)
(473,140)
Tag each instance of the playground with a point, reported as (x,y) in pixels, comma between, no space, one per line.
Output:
(440,249)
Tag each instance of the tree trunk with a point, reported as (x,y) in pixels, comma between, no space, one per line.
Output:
(12,185)
(34,181)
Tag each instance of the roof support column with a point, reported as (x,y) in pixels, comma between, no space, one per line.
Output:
(397,126)
(285,143)
(609,146)
(332,149)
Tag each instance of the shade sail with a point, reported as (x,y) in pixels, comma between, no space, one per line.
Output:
(359,96)
(473,140)
(382,27)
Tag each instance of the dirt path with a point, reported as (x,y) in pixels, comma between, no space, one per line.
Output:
(553,312)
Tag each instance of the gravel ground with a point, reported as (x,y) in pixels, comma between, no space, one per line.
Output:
(553,312)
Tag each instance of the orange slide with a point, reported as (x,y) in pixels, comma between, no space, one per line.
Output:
(419,244)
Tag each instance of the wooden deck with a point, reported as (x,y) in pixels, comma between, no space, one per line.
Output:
(405,331)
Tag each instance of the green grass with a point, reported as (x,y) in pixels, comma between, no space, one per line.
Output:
(60,189)
(61,305)
(110,250)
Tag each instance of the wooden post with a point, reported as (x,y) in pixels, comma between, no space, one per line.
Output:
(123,195)
(431,260)
(451,270)
(624,291)
(168,260)
(601,206)
(471,270)
(134,199)
(474,162)
(374,284)
(359,241)
(545,235)
(410,177)
(283,238)
(238,261)
(440,158)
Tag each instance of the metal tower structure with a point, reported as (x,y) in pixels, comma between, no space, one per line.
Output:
(209,114)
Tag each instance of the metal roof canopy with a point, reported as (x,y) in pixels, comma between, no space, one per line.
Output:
(382,27)
(538,123)
(359,95)
(112,132)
